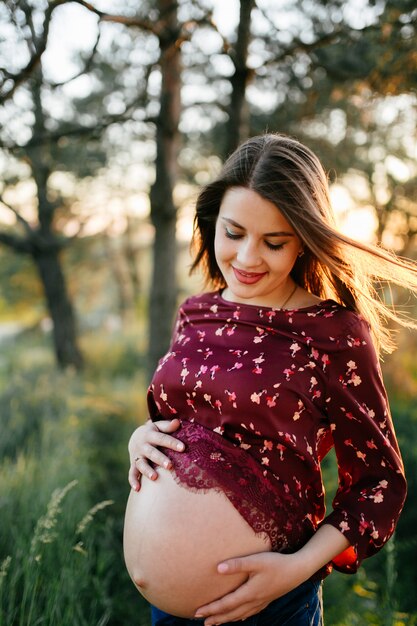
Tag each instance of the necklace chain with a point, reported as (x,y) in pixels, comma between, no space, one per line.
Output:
(289,297)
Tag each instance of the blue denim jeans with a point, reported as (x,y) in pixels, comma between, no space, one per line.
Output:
(300,607)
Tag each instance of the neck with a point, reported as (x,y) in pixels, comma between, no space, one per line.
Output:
(294,288)
(274,303)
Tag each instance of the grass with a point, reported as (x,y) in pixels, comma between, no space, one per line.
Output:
(63,467)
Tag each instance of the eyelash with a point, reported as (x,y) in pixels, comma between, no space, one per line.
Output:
(271,246)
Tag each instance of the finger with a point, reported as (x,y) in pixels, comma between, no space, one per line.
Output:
(241,609)
(167,426)
(242,612)
(156,456)
(235,566)
(144,468)
(228,603)
(152,450)
(239,614)
(163,440)
(134,477)
(141,452)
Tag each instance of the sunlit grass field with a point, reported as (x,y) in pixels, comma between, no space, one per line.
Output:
(63,484)
(63,487)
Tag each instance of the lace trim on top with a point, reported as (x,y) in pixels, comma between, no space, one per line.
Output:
(211,462)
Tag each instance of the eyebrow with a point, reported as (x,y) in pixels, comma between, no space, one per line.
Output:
(281,233)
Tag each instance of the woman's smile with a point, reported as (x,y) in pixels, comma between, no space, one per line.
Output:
(255,249)
(247,278)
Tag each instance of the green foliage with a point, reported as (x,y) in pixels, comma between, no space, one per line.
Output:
(405,418)
(382,593)
(19,285)
(63,489)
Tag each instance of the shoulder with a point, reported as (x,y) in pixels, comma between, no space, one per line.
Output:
(350,324)
(350,343)
(338,317)
(336,328)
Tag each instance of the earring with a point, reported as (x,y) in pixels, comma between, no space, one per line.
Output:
(301,253)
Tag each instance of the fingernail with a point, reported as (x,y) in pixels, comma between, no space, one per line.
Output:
(167,464)
(222,567)
(180,447)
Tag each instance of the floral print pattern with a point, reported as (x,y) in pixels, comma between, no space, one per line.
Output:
(285,386)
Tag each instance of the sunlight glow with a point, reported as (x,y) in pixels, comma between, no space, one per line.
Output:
(360,224)
(22,198)
(357,222)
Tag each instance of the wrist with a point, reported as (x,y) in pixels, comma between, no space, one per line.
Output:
(304,564)
(307,562)
(290,567)
(323,546)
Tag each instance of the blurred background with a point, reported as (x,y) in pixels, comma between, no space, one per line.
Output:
(112,115)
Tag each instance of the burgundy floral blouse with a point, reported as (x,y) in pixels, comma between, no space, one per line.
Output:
(285,386)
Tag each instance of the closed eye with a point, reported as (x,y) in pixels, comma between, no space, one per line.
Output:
(274,246)
(232,235)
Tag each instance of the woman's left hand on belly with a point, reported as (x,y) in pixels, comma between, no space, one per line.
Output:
(144,446)
(270,575)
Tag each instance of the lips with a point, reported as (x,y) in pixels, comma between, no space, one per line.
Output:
(248,278)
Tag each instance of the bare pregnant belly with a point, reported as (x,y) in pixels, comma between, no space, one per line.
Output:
(174,539)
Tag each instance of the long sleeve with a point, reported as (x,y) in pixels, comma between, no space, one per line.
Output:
(154,406)
(372,486)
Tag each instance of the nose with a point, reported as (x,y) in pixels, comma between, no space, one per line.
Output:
(248,254)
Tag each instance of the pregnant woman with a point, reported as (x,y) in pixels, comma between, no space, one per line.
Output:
(264,375)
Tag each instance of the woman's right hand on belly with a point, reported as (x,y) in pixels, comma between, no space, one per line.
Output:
(143,447)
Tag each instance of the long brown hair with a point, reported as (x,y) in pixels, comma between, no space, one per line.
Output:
(288,174)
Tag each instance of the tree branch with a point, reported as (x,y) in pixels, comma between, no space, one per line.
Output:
(29,230)
(35,240)
(345,33)
(119,19)
(18,244)
(208,20)
(207,104)
(85,69)
(80,131)
(21,76)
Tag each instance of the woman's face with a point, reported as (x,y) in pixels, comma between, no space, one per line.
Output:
(255,249)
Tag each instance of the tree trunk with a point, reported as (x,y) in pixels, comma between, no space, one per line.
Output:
(163,293)
(45,250)
(59,307)
(238,123)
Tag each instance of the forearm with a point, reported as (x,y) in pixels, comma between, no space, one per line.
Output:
(323,546)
